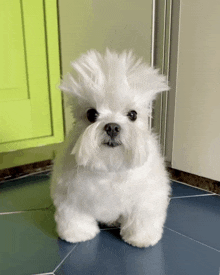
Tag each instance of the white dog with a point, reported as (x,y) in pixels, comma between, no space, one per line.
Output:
(110,169)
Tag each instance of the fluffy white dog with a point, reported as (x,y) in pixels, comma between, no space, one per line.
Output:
(110,169)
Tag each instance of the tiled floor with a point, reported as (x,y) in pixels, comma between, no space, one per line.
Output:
(29,244)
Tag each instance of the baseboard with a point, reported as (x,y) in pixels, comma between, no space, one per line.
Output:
(194,180)
(28,169)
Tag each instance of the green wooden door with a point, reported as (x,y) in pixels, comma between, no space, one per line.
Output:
(28,74)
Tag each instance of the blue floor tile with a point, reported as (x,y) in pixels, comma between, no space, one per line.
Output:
(27,193)
(29,243)
(107,254)
(196,217)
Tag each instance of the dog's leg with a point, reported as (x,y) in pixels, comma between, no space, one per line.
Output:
(143,229)
(73,226)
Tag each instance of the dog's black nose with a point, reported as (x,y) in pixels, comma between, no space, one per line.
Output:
(112,129)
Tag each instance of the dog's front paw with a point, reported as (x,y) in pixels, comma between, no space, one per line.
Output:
(75,236)
(76,230)
(142,238)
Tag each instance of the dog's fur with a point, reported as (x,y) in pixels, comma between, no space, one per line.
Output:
(106,178)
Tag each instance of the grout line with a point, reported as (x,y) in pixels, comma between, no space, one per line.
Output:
(64,259)
(192,196)
(191,239)
(50,273)
(49,207)
(24,211)
(15,212)
(194,186)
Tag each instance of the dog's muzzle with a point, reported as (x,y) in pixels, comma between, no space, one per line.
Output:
(112,130)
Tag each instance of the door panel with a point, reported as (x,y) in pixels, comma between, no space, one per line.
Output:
(24,89)
(13,80)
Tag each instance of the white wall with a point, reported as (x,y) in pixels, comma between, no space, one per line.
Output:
(196,139)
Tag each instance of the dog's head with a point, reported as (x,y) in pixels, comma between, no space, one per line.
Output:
(111,101)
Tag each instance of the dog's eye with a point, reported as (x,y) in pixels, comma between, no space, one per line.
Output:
(92,115)
(132,115)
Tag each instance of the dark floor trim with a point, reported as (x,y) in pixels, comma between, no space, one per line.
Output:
(194,180)
(20,171)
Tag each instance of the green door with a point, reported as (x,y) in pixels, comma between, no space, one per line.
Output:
(26,105)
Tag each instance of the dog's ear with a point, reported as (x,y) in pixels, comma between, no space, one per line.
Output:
(143,78)
(88,75)
(70,86)
(155,83)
